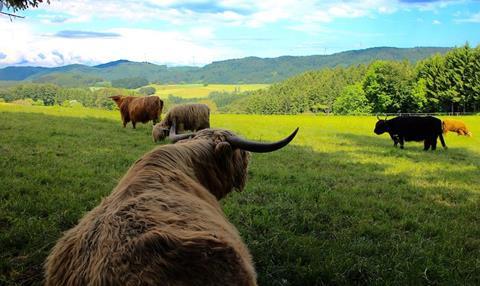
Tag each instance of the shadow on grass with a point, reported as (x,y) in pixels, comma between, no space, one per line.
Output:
(456,165)
(314,218)
(309,218)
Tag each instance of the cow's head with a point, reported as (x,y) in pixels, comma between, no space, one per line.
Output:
(381,126)
(226,156)
(118,99)
(159,132)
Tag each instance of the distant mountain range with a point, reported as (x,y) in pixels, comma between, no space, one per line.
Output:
(245,70)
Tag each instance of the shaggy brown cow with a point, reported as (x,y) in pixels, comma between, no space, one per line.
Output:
(139,109)
(186,117)
(457,126)
(163,224)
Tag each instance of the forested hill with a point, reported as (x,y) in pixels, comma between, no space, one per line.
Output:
(245,70)
(269,70)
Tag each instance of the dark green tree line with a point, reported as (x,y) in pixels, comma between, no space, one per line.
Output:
(49,94)
(448,83)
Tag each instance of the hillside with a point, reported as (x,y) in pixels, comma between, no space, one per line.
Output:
(68,79)
(245,70)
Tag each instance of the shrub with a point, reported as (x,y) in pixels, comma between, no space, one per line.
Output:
(38,103)
(26,101)
(72,103)
(352,101)
(148,90)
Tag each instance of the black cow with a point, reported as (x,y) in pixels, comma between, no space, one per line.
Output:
(412,128)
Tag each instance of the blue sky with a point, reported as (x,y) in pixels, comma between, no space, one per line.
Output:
(197,32)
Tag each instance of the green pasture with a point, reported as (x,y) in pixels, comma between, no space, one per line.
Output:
(339,206)
(201,90)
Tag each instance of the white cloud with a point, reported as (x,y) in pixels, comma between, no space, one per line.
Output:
(475,18)
(235,12)
(191,32)
(246,12)
(436,22)
(21,44)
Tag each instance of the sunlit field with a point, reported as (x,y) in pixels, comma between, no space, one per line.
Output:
(338,206)
(201,90)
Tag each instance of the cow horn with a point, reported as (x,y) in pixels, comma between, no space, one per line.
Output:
(258,147)
(386,116)
(177,137)
(378,117)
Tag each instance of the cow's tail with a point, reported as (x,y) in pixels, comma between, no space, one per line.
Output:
(443,141)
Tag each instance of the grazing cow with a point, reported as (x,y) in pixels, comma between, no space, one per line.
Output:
(163,224)
(412,128)
(138,109)
(186,117)
(457,126)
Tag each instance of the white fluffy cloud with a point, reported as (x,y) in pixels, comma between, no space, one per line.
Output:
(248,12)
(475,18)
(66,31)
(20,44)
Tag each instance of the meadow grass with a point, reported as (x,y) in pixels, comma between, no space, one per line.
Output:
(339,206)
(201,90)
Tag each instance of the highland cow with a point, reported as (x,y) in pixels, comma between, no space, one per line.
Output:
(163,224)
(138,109)
(457,126)
(192,117)
(412,128)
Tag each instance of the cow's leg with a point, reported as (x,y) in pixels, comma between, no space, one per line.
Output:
(442,141)
(460,132)
(434,143)
(134,123)
(402,141)
(426,144)
(125,121)
(395,140)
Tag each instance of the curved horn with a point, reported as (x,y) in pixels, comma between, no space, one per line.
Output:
(174,138)
(378,117)
(173,129)
(258,147)
(386,116)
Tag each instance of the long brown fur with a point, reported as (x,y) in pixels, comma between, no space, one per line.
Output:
(139,109)
(457,126)
(185,117)
(162,224)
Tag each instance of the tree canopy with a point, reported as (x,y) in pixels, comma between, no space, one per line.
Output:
(441,83)
(22,4)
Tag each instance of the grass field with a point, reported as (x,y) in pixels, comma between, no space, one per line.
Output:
(200,90)
(339,206)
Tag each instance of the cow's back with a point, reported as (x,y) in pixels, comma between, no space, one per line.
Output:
(454,125)
(144,109)
(192,116)
(169,237)
(416,128)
